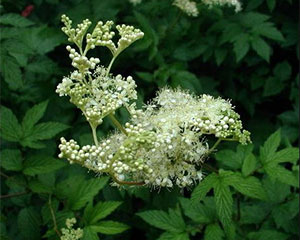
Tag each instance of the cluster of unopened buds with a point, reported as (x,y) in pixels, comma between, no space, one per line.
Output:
(164,143)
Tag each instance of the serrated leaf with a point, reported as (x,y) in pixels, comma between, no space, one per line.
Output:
(254,213)
(197,212)
(286,155)
(11,159)
(220,55)
(249,186)
(43,131)
(204,187)
(241,46)
(268,30)
(213,231)
(224,201)
(101,210)
(249,164)
(283,71)
(261,48)
(11,72)
(29,224)
(10,127)
(282,174)
(40,164)
(161,220)
(85,191)
(33,115)
(38,187)
(109,227)
(15,20)
(272,87)
(276,190)
(270,146)
(267,235)
(174,236)
(89,234)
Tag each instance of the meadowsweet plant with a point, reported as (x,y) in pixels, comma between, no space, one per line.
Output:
(164,143)
(187,6)
(70,233)
(230,3)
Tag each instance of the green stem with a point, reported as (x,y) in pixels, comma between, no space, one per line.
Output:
(117,123)
(215,145)
(210,168)
(13,195)
(110,64)
(95,135)
(53,217)
(125,182)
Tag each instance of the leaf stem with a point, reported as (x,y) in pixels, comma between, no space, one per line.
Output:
(210,168)
(117,123)
(53,217)
(95,135)
(13,195)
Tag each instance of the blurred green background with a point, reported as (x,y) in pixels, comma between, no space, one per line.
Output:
(250,57)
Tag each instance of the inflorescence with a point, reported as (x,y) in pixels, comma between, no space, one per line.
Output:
(189,7)
(164,143)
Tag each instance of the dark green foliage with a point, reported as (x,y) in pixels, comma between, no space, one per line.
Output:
(249,192)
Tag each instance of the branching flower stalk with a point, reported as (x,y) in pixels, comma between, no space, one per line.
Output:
(164,143)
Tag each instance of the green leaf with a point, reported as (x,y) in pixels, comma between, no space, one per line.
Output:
(186,80)
(197,212)
(29,224)
(10,127)
(15,20)
(276,190)
(271,4)
(38,187)
(283,71)
(261,48)
(267,235)
(40,164)
(85,192)
(204,187)
(282,174)
(220,55)
(268,30)
(254,213)
(33,115)
(241,46)
(46,130)
(249,164)
(11,159)
(162,220)
(213,231)
(11,72)
(101,210)
(224,202)
(272,86)
(249,186)
(174,236)
(109,227)
(270,146)
(89,234)
(286,155)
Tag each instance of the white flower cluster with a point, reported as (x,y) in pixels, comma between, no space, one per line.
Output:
(231,3)
(69,233)
(135,2)
(99,96)
(91,87)
(165,143)
(187,6)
